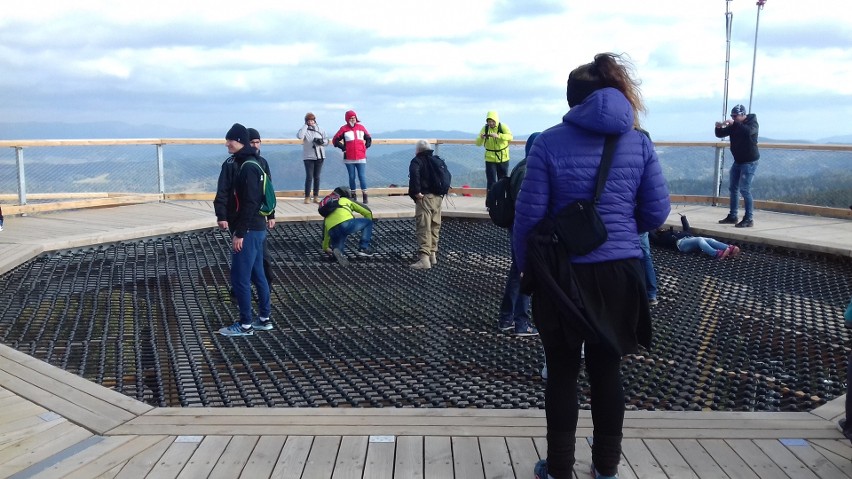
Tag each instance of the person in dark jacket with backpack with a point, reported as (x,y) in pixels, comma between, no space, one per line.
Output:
(608,284)
(427,206)
(249,233)
(515,307)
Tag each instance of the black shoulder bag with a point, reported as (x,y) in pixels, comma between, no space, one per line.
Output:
(579,228)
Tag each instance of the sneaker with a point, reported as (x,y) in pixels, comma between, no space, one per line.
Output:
(505,325)
(721,254)
(526,331)
(307,200)
(728,220)
(653,302)
(745,224)
(540,469)
(1,225)
(544,372)
(341,258)
(598,475)
(316,199)
(261,324)
(236,329)
(365,252)
(733,251)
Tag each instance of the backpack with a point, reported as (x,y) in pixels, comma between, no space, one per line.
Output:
(267,205)
(439,176)
(500,199)
(328,204)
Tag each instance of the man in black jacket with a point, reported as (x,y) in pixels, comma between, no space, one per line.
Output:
(225,205)
(743,130)
(248,229)
(427,206)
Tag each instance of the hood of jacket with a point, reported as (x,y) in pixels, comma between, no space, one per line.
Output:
(605,111)
(349,114)
(494,116)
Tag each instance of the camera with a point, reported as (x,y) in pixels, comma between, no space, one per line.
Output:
(318,141)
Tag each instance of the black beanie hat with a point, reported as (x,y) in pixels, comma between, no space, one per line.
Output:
(253,134)
(238,133)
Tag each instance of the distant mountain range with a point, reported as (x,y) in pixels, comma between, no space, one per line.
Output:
(114,130)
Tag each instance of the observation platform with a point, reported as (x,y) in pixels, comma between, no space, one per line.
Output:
(54,423)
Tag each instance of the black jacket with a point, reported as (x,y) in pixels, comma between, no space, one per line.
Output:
(419,179)
(225,205)
(248,193)
(668,238)
(743,139)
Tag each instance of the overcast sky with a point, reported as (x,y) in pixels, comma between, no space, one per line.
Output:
(437,65)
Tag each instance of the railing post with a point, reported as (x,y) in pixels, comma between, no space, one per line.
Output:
(717,174)
(161,174)
(22,178)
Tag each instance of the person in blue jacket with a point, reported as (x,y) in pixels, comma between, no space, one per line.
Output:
(562,166)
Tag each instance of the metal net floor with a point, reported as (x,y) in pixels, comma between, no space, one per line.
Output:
(762,332)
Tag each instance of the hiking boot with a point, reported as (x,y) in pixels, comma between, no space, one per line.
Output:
(307,200)
(365,252)
(728,220)
(540,469)
(525,331)
(598,475)
(422,263)
(364,197)
(261,324)
(745,223)
(236,329)
(317,199)
(433,258)
(505,324)
(341,258)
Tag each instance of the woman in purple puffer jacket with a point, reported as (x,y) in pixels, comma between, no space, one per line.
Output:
(562,167)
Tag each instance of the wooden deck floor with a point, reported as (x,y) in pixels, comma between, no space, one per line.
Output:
(56,424)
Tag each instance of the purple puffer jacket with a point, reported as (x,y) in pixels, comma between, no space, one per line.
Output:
(562,167)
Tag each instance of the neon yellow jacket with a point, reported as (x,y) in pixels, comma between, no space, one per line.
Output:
(344,212)
(496,149)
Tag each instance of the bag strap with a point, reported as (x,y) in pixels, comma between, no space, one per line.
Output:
(606,163)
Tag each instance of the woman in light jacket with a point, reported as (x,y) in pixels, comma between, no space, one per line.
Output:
(314,140)
(562,167)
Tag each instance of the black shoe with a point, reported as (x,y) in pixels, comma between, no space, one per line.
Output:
(728,220)
(365,252)
(745,224)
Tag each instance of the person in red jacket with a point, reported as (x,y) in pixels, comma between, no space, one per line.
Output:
(354,140)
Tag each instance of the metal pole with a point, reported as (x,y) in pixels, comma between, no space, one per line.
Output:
(760,4)
(22,177)
(161,175)
(720,152)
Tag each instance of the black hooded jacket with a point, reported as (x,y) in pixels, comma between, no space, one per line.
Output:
(248,193)
(225,204)
(743,139)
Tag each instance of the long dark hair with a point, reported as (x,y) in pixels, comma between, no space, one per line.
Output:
(616,71)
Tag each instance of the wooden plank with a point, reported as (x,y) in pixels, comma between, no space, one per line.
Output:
(467,459)
(781,456)
(294,455)
(205,457)
(701,463)
(350,458)
(320,463)
(523,454)
(641,460)
(114,459)
(264,457)
(756,459)
(816,462)
(233,459)
(380,460)
(496,461)
(669,459)
(39,447)
(409,457)
(71,466)
(173,460)
(437,457)
(141,464)
(838,454)
(727,459)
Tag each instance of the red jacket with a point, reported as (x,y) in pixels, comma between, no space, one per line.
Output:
(353,140)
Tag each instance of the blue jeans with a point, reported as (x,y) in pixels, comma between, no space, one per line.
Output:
(515,307)
(247,268)
(708,246)
(361,168)
(740,182)
(648,264)
(338,234)
(495,171)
